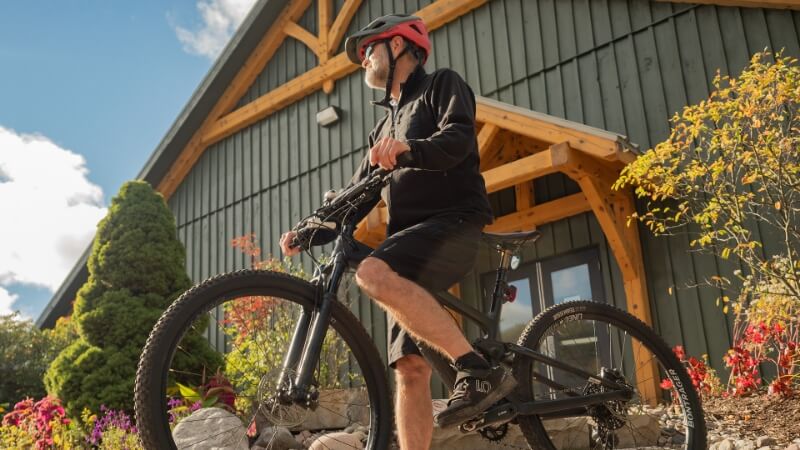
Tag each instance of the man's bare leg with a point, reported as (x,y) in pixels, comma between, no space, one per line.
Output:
(413,307)
(413,408)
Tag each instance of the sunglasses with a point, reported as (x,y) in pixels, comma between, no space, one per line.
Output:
(371,48)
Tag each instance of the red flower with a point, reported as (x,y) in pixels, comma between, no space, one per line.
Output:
(678,349)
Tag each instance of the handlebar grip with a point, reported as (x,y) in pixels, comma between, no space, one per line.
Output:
(403,160)
(295,243)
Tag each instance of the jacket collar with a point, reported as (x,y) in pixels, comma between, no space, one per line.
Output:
(413,81)
(409,86)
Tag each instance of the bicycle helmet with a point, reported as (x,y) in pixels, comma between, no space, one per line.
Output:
(410,28)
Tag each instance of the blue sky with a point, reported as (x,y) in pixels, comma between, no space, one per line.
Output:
(87,90)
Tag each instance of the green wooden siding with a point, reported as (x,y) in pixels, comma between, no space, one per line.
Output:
(623,66)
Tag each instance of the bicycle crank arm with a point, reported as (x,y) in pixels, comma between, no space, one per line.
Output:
(497,415)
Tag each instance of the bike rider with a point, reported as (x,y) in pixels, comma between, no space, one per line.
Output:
(437,208)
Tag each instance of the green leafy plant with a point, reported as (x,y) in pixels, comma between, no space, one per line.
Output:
(217,392)
(136,269)
(261,328)
(23,359)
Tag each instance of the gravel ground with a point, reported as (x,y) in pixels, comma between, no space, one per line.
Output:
(756,422)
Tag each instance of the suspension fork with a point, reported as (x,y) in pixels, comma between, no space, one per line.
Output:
(306,345)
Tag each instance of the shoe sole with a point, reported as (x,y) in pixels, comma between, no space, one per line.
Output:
(468,412)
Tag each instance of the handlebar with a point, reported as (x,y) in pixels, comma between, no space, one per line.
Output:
(328,217)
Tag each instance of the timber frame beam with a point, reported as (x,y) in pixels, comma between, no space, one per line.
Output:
(612,208)
(223,121)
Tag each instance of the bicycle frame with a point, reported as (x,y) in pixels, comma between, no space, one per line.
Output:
(305,347)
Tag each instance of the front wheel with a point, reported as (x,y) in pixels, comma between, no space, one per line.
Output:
(250,317)
(664,412)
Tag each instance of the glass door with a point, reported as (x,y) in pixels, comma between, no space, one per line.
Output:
(576,276)
(541,284)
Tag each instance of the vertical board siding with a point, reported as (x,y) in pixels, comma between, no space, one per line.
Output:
(622,65)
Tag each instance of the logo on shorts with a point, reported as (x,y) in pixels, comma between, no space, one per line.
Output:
(483,386)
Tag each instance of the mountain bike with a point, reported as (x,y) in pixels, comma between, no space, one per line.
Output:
(590,375)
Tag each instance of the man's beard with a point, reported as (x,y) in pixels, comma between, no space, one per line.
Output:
(376,77)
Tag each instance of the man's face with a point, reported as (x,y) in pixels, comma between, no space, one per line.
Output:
(376,66)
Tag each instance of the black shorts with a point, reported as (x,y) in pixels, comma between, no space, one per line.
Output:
(435,254)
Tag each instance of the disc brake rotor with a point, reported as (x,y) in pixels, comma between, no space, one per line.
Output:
(274,411)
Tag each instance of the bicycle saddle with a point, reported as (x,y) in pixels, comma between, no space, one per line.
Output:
(511,241)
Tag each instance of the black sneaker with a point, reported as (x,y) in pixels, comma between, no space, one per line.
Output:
(474,392)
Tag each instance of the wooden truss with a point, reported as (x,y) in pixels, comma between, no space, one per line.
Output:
(518,146)
(223,120)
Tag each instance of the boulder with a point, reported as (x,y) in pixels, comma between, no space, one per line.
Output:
(453,439)
(641,430)
(338,409)
(569,432)
(276,438)
(339,441)
(211,429)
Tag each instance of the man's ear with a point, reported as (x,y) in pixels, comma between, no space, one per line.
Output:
(397,44)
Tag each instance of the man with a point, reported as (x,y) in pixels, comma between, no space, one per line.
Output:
(437,208)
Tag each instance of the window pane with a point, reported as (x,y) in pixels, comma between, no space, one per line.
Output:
(518,313)
(572,283)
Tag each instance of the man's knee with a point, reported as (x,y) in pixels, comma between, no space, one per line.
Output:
(411,370)
(370,273)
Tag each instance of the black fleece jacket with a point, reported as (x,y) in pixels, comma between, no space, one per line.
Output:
(435,115)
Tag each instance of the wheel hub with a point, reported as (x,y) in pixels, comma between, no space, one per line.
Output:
(609,416)
(277,405)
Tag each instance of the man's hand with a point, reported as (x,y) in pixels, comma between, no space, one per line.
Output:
(286,244)
(384,152)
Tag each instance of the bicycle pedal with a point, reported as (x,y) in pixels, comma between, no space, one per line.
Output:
(472,424)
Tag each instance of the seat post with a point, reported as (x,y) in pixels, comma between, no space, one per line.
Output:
(505,258)
(500,286)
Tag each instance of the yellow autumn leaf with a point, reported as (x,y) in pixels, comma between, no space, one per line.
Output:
(747,179)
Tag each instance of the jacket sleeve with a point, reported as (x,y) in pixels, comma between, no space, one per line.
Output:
(453,105)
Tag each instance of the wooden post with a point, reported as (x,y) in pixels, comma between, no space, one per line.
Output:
(325,15)
(611,209)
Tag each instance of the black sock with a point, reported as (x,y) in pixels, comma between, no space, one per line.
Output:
(471,360)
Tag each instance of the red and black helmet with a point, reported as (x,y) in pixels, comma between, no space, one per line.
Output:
(409,27)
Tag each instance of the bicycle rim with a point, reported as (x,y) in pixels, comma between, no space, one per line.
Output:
(250,317)
(664,411)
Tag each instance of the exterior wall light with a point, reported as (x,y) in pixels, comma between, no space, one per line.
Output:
(329,116)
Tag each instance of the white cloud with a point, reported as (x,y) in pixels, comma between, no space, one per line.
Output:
(6,300)
(48,211)
(220,18)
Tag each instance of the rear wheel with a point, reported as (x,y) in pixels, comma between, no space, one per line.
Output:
(250,316)
(664,412)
